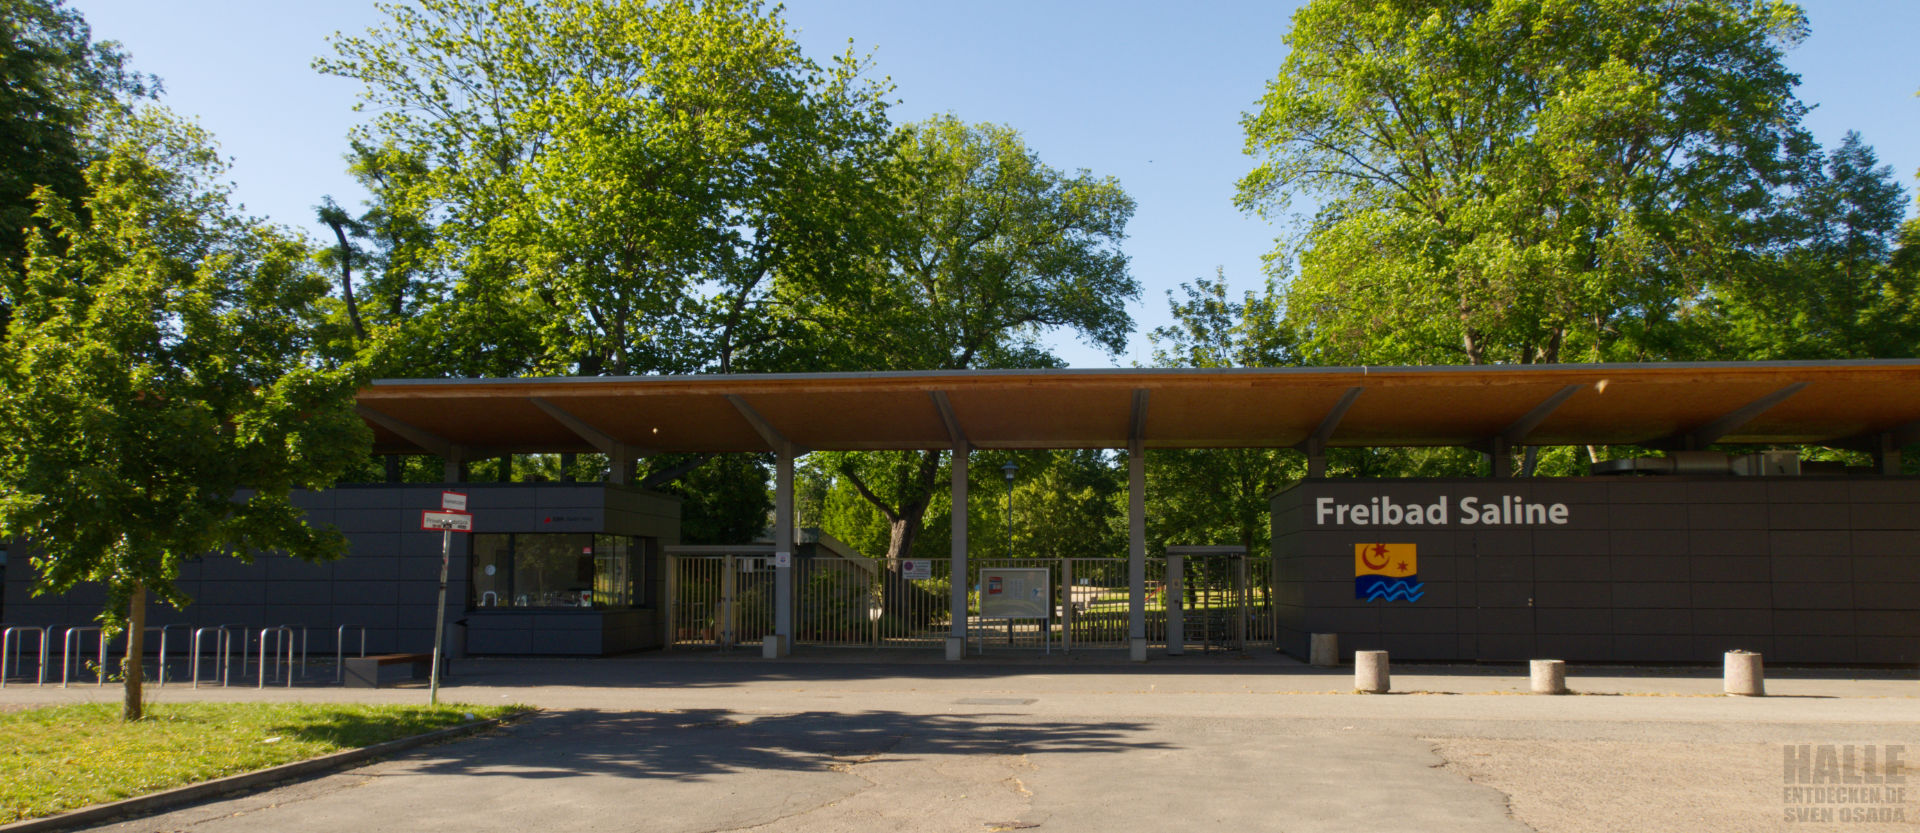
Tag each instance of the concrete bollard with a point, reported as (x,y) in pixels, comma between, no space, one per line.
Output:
(770,647)
(1549,676)
(1370,672)
(1324,651)
(1746,676)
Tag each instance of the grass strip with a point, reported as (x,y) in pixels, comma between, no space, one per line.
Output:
(62,758)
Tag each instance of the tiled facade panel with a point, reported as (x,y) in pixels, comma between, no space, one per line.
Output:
(1644,569)
(389,579)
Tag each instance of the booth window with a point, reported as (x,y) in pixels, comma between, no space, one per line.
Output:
(536,570)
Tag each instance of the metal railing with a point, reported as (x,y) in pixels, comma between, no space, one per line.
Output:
(719,601)
(68,642)
(222,656)
(340,650)
(160,673)
(7,638)
(727,600)
(282,638)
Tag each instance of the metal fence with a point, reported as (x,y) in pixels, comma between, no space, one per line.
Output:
(1226,602)
(724,601)
(719,601)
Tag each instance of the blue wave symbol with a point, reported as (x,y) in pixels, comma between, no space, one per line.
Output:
(1395,591)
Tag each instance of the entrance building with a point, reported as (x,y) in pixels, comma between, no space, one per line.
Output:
(1673,556)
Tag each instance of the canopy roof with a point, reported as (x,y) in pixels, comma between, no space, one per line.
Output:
(1675,405)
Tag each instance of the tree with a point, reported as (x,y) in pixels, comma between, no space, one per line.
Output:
(164,388)
(1525,181)
(1834,291)
(991,247)
(54,81)
(1219,495)
(606,186)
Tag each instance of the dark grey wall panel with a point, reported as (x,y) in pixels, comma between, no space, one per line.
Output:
(1806,569)
(389,578)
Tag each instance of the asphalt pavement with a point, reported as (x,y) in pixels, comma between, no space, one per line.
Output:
(830,741)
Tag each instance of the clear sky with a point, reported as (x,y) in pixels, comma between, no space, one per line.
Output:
(1148,92)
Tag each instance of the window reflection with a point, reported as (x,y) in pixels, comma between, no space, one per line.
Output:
(547,570)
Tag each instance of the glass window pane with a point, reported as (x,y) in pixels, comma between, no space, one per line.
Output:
(612,578)
(553,570)
(491,568)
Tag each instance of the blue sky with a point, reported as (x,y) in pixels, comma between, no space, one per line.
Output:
(1148,92)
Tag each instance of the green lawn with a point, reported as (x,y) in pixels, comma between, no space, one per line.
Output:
(66,757)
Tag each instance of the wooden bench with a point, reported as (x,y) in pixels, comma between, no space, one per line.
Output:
(372,671)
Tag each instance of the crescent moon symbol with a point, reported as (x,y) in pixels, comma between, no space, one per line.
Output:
(1369,562)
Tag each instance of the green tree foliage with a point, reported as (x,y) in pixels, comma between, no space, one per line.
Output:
(163,382)
(1525,181)
(723,500)
(988,248)
(54,81)
(602,186)
(1066,504)
(1836,291)
(1219,495)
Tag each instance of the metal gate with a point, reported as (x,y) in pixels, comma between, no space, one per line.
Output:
(1225,598)
(724,601)
(873,605)
(719,601)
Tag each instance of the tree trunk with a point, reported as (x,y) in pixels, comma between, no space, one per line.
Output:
(346,274)
(904,525)
(131,708)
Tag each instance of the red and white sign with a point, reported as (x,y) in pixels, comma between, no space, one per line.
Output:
(453,501)
(444,520)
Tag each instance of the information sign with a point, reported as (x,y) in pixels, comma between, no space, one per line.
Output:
(453,501)
(1014,593)
(444,521)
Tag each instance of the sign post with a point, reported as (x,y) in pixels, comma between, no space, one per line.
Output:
(451,517)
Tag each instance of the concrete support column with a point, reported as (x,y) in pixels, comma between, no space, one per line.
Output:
(620,467)
(1137,550)
(783,543)
(1499,460)
(957,634)
(454,465)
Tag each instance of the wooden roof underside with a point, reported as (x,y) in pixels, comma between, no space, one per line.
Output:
(1857,403)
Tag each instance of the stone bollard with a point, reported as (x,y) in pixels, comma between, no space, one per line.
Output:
(1324,651)
(1549,676)
(1370,672)
(1746,677)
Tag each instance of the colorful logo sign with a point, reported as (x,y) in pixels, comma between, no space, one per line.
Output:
(1386,571)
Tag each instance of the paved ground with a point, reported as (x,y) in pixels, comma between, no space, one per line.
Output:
(844,742)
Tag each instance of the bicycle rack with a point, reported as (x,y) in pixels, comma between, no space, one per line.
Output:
(7,636)
(303,644)
(67,645)
(162,676)
(340,650)
(266,657)
(223,652)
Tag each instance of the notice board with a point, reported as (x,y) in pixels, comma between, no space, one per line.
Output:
(1015,593)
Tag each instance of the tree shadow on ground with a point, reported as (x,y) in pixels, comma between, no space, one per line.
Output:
(698,744)
(697,671)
